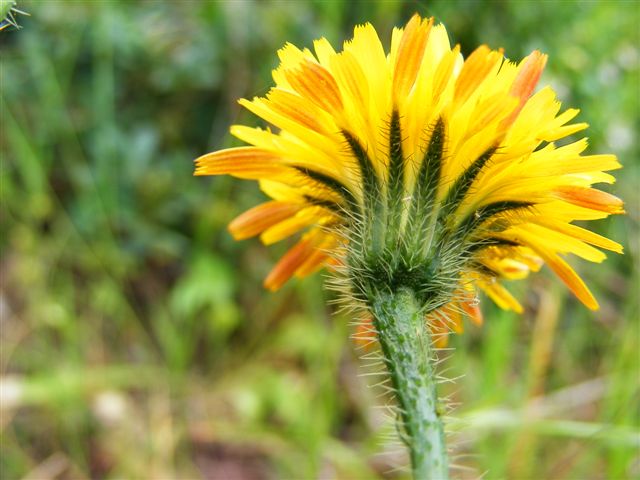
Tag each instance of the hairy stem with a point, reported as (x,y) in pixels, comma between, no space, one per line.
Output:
(406,344)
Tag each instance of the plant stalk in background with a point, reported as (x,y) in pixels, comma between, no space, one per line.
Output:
(420,178)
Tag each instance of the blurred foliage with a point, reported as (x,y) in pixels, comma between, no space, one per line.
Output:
(137,341)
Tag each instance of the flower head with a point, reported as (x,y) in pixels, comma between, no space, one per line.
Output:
(419,170)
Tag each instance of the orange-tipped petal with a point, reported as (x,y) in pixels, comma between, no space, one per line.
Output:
(258,219)
(315,83)
(410,52)
(570,279)
(297,109)
(529,72)
(242,162)
(289,263)
(472,309)
(528,76)
(475,69)
(315,262)
(591,198)
(318,258)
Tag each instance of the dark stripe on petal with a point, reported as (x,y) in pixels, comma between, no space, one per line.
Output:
(396,168)
(463,183)
(485,213)
(426,186)
(332,184)
(370,183)
(487,242)
(484,270)
(429,173)
(327,204)
(371,226)
(395,184)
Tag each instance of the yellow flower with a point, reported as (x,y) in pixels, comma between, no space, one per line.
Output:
(419,169)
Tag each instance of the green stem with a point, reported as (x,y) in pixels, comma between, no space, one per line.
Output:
(406,344)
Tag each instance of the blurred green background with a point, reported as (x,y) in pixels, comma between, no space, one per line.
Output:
(137,340)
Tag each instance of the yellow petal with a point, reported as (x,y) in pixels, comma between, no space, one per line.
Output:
(501,296)
(286,228)
(570,278)
(324,51)
(583,234)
